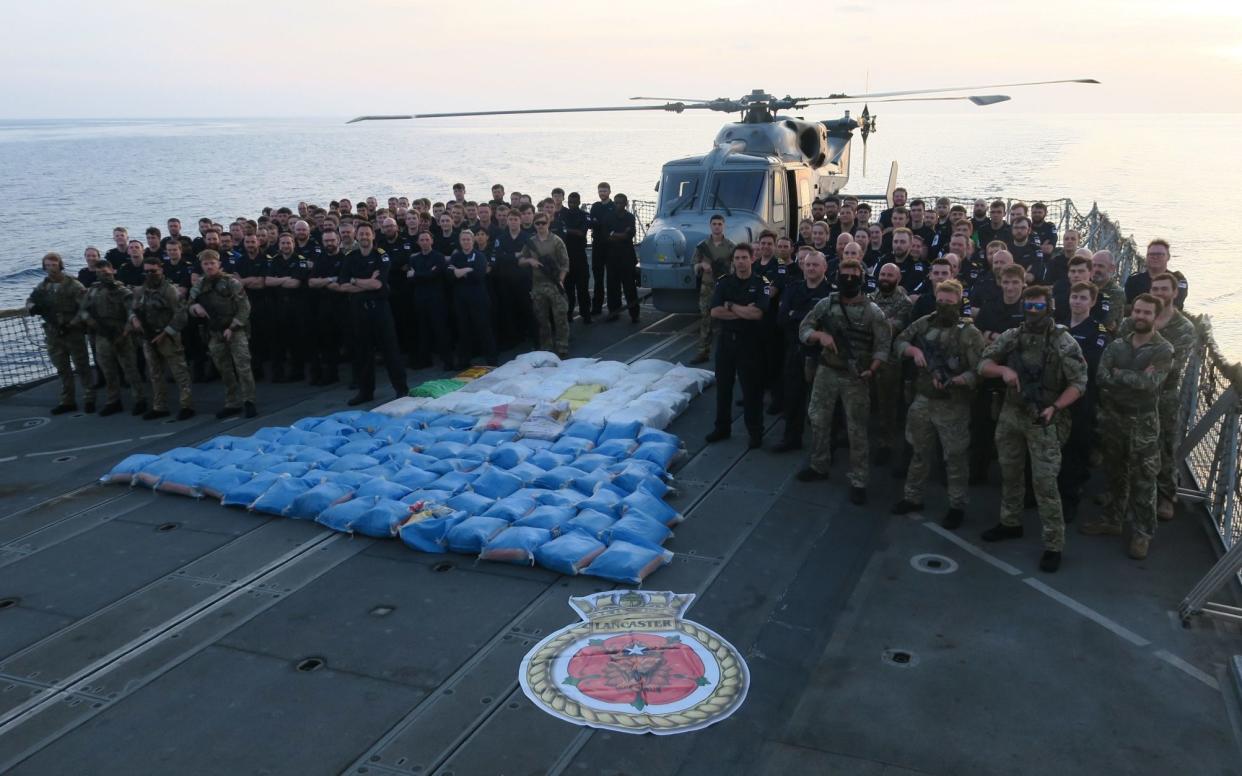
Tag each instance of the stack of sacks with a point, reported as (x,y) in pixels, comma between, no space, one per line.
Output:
(571,496)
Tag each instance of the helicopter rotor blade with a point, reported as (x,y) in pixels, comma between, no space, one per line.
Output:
(977,99)
(844,97)
(673,107)
(376,118)
(672,99)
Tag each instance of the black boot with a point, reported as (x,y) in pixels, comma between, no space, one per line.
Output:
(140,407)
(905,507)
(1050,561)
(717,435)
(250,410)
(809,474)
(858,495)
(111,408)
(1001,532)
(953,518)
(61,409)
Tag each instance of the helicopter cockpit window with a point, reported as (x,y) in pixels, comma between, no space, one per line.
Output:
(679,190)
(736,190)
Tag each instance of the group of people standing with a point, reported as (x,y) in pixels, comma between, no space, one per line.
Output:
(294,294)
(984,337)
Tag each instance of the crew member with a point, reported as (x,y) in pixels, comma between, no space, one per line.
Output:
(572,229)
(159,315)
(105,311)
(711,262)
(222,301)
(470,303)
(547,260)
(799,297)
(364,277)
(601,227)
(56,299)
(739,303)
(622,261)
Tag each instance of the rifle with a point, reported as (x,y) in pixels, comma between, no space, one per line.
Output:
(840,336)
(937,365)
(1031,380)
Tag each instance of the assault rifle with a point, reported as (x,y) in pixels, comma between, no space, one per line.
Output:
(841,337)
(937,365)
(1031,380)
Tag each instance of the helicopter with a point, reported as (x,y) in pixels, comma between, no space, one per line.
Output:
(763,171)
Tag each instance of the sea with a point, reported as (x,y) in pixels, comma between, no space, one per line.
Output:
(65,184)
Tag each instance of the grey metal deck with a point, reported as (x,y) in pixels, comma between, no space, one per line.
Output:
(152,634)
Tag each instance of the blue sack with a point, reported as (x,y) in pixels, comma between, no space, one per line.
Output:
(382,520)
(396,451)
(495,438)
(330,427)
(516,545)
(154,471)
(194,455)
(352,480)
(526,472)
(470,503)
(589,462)
(477,452)
(445,450)
(347,463)
(454,482)
(307,424)
(420,418)
(638,529)
(319,458)
(616,448)
(511,508)
(315,500)
(244,494)
(627,429)
(632,476)
(560,477)
(418,439)
(272,433)
(588,484)
(448,434)
(183,479)
(123,473)
(278,499)
(428,496)
(469,536)
(583,430)
(495,483)
(565,497)
(384,489)
(649,434)
(364,421)
(659,453)
(464,422)
(230,442)
(364,446)
(591,523)
(627,563)
(548,460)
(221,481)
(552,518)
(604,501)
(426,532)
(296,436)
(390,433)
(640,503)
(509,454)
(569,553)
(571,445)
(292,468)
(414,478)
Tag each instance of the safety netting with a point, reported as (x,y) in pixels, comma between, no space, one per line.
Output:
(563,464)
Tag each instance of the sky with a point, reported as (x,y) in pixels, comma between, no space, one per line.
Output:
(236,58)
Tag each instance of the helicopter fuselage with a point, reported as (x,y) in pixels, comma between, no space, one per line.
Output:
(757,176)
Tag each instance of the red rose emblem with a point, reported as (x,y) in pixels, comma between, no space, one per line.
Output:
(640,669)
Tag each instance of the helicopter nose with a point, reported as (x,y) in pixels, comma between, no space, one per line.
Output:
(670,246)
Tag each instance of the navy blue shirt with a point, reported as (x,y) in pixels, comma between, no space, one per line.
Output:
(430,269)
(356,266)
(753,290)
(473,281)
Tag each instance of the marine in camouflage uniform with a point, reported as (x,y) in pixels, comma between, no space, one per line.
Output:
(889,380)
(56,299)
(1131,378)
(547,295)
(223,301)
(1048,363)
(951,347)
(159,317)
(1110,305)
(869,338)
(105,310)
(1179,331)
(720,257)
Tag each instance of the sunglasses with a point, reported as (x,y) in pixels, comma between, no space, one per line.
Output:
(1035,307)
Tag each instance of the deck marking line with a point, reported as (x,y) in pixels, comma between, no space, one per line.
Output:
(83,447)
(1088,612)
(973,550)
(1186,667)
(10,458)
(158,436)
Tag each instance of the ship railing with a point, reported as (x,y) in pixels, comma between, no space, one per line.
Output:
(23,351)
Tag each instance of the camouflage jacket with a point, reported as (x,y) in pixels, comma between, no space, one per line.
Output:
(106,307)
(896,307)
(719,256)
(950,350)
(1180,332)
(1047,363)
(1131,377)
(159,309)
(57,303)
(552,256)
(224,298)
(1110,306)
(866,332)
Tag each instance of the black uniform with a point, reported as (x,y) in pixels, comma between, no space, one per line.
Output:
(470,308)
(773,347)
(372,318)
(1044,232)
(130,275)
(796,301)
(1024,255)
(1140,283)
(571,226)
(601,225)
(261,311)
(913,274)
(292,317)
(987,233)
(622,264)
(445,243)
(117,257)
(515,316)
(739,352)
(1092,338)
(428,277)
(399,250)
(330,310)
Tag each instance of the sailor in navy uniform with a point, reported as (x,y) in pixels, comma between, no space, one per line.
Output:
(468,269)
(364,276)
(741,300)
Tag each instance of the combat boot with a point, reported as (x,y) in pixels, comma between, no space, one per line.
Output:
(140,407)
(1164,509)
(786,445)
(1099,528)
(953,518)
(810,474)
(1139,545)
(858,495)
(702,357)
(905,507)
(1000,532)
(185,413)
(717,435)
(250,410)
(154,414)
(1050,561)
(111,408)
(89,407)
(61,409)
(228,412)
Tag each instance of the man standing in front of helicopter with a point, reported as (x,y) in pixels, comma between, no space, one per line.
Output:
(601,226)
(712,258)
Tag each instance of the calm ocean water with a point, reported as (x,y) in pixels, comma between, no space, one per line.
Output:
(65,184)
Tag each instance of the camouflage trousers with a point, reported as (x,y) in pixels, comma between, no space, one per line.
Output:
(889,395)
(551,316)
(856,397)
(1170,423)
(949,421)
(1131,447)
(167,354)
(117,356)
(707,324)
(67,352)
(232,359)
(1016,436)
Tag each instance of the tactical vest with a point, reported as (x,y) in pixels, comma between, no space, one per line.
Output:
(856,325)
(57,302)
(1036,358)
(153,309)
(217,297)
(107,304)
